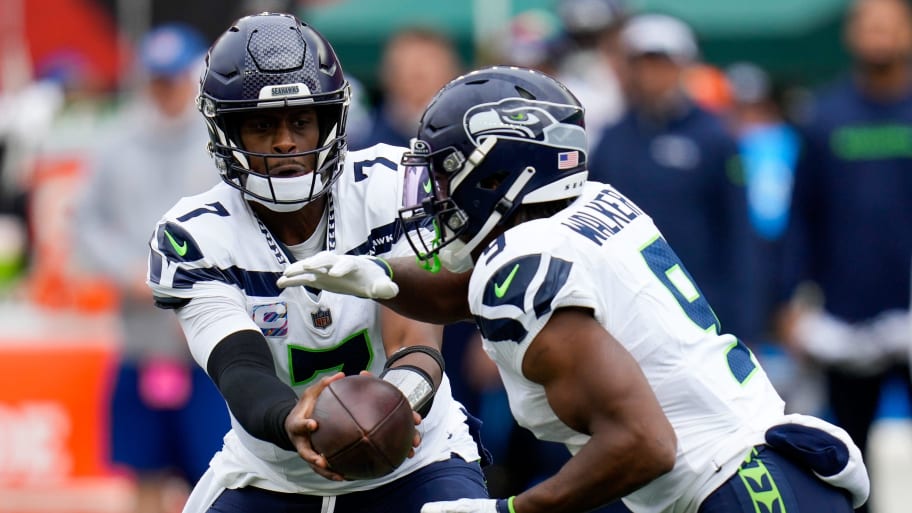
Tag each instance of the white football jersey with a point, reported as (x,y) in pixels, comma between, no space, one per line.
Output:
(212,249)
(603,253)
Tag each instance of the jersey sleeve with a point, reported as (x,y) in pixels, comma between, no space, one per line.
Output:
(513,296)
(207,321)
(198,284)
(179,270)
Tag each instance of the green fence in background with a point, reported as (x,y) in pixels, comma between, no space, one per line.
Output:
(798,41)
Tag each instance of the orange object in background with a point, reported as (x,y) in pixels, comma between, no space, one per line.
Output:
(53,412)
(708,86)
(53,281)
(56,376)
(58,358)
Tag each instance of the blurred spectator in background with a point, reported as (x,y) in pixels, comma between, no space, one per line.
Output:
(590,61)
(46,122)
(167,417)
(531,40)
(768,144)
(416,63)
(679,162)
(850,217)
(359,123)
(27,112)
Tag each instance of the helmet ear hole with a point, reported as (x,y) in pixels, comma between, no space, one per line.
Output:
(491,183)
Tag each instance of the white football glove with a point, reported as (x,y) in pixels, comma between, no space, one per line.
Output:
(860,348)
(469,506)
(361,276)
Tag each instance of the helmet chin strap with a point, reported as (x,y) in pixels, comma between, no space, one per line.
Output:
(457,256)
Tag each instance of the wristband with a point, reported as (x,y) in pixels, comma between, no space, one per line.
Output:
(383,265)
(505,505)
(413,383)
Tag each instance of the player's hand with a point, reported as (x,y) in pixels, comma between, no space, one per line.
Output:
(361,276)
(299,424)
(468,506)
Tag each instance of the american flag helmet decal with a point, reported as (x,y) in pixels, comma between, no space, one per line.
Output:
(567,159)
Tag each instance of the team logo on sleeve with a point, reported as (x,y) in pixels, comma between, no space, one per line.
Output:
(530,282)
(509,284)
(530,285)
(176,243)
(272,319)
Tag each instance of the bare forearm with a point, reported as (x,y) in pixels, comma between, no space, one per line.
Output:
(600,473)
(598,388)
(439,298)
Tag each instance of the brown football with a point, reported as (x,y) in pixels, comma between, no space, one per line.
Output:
(365,427)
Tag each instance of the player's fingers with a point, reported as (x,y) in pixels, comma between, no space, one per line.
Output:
(306,452)
(327,473)
(324,382)
(284,282)
(307,278)
(341,268)
(317,263)
(384,290)
(435,507)
(321,260)
(298,268)
(311,392)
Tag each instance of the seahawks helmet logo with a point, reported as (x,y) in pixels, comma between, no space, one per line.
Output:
(526,120)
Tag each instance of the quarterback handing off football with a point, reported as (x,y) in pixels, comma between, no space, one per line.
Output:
(365,428)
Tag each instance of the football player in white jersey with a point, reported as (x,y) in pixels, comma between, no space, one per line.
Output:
(275,100)
(602,339)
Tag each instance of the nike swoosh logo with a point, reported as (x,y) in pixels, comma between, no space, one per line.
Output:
(500,290)
(181,249)
(427,186)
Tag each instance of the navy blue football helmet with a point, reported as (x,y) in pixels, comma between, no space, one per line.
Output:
(489,141)
(274,61)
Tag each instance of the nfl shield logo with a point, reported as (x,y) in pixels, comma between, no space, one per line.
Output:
(322,318)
